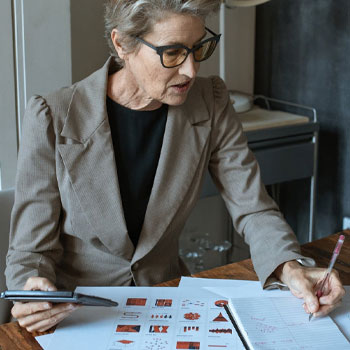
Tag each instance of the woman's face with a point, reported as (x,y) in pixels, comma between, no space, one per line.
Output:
(166,85)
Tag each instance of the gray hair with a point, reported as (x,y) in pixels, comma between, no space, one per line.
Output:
(136,18)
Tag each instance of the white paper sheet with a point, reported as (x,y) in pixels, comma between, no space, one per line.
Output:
(44,340)
(149,319)
(230,288)
(341,316)
(278,323)
(212,282)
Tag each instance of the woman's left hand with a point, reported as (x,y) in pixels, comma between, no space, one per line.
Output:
(303,282)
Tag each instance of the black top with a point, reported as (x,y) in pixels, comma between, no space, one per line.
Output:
(137,140)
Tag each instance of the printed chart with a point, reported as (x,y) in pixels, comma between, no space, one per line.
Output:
(171,323)
(149,319)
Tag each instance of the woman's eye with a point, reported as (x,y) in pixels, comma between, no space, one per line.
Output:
(174,52)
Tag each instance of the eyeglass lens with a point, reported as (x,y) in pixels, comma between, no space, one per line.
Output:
(174,57)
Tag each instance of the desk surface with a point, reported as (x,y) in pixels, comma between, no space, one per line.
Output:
(13,337)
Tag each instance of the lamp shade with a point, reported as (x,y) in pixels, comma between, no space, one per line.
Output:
(244,3)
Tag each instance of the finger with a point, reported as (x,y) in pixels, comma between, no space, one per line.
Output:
(311,301)
(306,309)
(45,315)
(326,309)
(44,325)
(20,310)
(335,296)
(335,290)
(39,283)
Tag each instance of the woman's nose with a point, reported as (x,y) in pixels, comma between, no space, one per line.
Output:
(189,67)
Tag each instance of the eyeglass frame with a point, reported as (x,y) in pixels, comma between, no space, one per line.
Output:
(161,49)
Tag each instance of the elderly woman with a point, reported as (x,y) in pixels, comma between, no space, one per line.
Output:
(110,168)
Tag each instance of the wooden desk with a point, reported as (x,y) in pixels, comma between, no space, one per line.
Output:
(13,337)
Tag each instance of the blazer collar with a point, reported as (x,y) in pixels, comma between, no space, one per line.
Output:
(87,108)
(91,96)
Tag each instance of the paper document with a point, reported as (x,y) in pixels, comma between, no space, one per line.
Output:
(149,318)
(44,340)
(341,315)
(243,288)
(95,328)
(213,282)
(280,323)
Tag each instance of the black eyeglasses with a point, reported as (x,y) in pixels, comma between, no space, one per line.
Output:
(174,55)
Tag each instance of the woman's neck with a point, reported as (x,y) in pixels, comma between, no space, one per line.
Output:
(123,89)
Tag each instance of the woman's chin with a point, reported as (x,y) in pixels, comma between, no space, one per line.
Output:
(176,100)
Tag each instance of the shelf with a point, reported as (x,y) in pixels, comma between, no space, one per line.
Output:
(258,118)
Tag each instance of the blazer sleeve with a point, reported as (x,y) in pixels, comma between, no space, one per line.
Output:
(236,173)
(34,246)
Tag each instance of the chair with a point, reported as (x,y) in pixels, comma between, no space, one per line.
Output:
(6,203)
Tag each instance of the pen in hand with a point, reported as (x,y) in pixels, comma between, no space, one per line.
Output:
(321,289)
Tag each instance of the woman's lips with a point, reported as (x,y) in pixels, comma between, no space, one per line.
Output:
(181,88)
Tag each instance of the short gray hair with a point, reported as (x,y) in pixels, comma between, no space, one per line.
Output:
(136,18)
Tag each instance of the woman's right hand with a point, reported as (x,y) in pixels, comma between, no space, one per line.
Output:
(40,316)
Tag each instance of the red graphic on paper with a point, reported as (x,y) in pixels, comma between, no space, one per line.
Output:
(136,301)
(192,316)
(221,331)
(188,345)
(191,329)
(158,329)
(164,302)
(220,318)
(221,303)
(128,328)
(125,341)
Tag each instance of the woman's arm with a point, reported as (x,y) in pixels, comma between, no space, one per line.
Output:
(273,245)
(34,246)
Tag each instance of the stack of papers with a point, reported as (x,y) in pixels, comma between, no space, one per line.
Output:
(193,317)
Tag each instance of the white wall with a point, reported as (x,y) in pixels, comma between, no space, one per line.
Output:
(240,44)
(54,43)
(8,133)
(43,47)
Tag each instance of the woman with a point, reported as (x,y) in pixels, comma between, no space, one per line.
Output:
(110,168)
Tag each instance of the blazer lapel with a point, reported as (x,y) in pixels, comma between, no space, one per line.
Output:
(89,159)
(186,135)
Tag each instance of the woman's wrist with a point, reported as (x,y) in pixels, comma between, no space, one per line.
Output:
(285,269)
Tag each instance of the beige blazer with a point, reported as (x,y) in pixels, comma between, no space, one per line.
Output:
(68,223)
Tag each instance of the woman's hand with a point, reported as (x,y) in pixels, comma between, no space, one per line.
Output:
(303,282)
(40,316)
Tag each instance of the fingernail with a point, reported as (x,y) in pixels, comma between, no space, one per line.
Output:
(312,307)
(47,306)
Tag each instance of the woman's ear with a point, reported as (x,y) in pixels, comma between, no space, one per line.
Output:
(115,36)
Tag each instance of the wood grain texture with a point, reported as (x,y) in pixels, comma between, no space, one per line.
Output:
(13,337)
